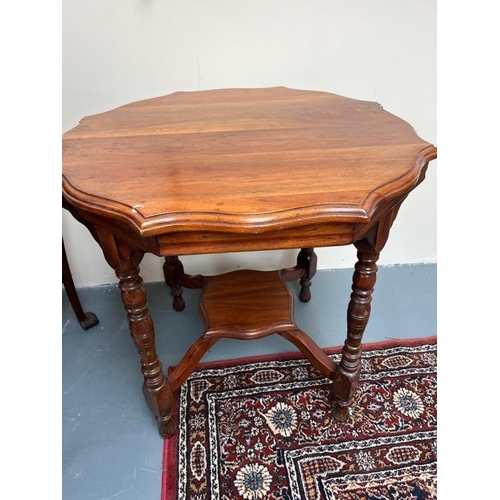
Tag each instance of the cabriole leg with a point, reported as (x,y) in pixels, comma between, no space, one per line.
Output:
(86,319)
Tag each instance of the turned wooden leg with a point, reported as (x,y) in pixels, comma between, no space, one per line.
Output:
(346,377)
(307,258)
(156,388)
(172,269)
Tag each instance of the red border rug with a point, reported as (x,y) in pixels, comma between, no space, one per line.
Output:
(261,428)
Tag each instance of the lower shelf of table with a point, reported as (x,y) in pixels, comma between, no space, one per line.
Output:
(248,305)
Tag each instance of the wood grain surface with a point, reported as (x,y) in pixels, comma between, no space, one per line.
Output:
(236,160)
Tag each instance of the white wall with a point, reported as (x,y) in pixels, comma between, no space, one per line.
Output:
(119,51)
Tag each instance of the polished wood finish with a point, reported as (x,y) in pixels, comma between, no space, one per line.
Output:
(86,319)
(241,170)
(173,272)
(240,161)
(176,278)
(346,379)
(156,388)
(247,305)
(307,258)
(172,269)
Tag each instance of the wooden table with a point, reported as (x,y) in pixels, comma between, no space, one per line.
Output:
(241,170)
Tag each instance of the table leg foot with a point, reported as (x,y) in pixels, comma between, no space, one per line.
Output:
(89,321)
(308,259)
(161,401)
(178,303)
(167,426)
(305,293)
(340,410)
(342,392)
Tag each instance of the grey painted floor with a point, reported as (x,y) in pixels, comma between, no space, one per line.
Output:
(111,446)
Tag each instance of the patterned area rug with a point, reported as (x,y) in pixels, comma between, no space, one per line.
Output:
(264,430)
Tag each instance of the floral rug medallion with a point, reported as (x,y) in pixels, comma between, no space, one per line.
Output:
(263,429)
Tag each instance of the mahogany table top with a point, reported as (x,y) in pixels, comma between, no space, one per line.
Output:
(238,170)
(239,160)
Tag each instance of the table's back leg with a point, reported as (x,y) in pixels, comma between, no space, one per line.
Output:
(307,258)
(176,278)
(172,269)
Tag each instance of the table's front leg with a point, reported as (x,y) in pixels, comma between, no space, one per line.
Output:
(346,377)
(156,388)
(369,245)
